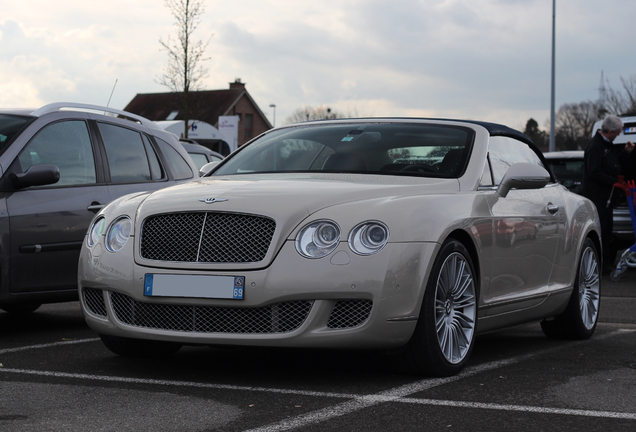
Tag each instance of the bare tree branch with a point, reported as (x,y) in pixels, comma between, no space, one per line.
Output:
(574,122)
(308,113)
(621,102)
(184,71)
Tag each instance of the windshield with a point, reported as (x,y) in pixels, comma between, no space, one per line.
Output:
(10,125)
(386,149)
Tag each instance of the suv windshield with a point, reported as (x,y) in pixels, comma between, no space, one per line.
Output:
(393,149)
(9,126)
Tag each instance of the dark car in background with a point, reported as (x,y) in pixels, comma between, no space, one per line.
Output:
(567,167)
(201,155)
(60,165)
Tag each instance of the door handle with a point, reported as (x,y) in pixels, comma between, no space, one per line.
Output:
(553,208)
(95,207)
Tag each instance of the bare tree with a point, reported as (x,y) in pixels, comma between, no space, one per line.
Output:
(308,113)
(621,102)
(574,123)
(184,71)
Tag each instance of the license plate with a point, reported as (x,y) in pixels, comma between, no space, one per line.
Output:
(198,286)
(630,130)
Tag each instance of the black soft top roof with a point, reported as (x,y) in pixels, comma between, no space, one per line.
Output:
(496,129)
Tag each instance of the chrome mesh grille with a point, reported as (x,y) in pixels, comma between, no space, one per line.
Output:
(94,301)
(206,237)
(349,313)
(277,318)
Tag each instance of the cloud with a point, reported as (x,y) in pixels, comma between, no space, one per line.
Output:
(486,60)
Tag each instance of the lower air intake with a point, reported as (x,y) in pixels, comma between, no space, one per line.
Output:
(276,318)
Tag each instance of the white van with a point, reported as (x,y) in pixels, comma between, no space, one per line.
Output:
(628,133)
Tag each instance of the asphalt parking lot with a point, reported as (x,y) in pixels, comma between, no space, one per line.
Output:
(57,375)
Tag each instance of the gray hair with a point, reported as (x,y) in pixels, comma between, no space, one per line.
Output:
(612,124)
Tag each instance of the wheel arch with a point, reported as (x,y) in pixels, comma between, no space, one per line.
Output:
(596,239)
(464,238)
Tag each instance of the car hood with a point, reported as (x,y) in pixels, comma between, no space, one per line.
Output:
(290,194)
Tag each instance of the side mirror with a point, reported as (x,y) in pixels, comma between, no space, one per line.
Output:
(205,169)
(37,175)
(523,176)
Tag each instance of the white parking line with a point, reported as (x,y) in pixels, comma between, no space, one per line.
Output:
(396,395)
(175,383)
(48,345)
(356,402)
(520,408)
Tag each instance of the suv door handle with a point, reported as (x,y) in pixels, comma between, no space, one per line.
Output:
(95,207)
(553,208)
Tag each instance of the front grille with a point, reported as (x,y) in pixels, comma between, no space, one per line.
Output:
(94,301)
(277,318)
(206,237)
(349,313)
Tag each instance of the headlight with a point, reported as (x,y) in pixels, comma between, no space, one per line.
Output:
(96,230)
(368,237)
(318,239)
(118,234)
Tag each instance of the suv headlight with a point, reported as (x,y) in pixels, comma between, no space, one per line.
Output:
(368,237)
(318,239)
(118,234)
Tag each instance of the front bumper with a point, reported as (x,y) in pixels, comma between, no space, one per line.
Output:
(340,301)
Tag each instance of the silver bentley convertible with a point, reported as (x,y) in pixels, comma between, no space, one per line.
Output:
(412,235)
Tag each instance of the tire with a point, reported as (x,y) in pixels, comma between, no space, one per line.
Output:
(21,308)
(445,333)
(139,348)
(580,317)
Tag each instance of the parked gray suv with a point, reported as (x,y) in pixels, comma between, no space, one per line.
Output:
(59,165)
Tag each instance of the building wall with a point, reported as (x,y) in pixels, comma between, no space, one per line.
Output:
(244,109)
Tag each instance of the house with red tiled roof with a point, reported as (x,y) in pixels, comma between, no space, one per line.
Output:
(206,106)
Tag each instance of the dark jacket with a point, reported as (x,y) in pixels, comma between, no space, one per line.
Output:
(601,169)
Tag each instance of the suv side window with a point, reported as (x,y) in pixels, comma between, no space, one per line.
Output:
(179,167)
(130,159)
(67,145)
(504,152)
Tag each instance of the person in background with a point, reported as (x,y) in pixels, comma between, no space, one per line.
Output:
(602,166)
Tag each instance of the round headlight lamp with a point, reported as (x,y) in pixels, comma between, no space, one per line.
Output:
(368,237)
(318,239)
(118,234)
(96,230)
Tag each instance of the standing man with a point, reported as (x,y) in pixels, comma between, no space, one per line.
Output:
(600,172)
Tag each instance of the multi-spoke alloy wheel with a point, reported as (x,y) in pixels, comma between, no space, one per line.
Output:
(579,319)
(445,331)
(455,308)
(589,287)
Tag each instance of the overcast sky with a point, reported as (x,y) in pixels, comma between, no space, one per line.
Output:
(475,59)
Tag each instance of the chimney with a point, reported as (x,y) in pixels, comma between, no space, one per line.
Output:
(237,85)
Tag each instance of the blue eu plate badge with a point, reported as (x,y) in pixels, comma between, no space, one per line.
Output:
(194,286)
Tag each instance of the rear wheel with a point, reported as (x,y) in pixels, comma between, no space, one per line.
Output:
(139,347)
(445,331)
(579,319)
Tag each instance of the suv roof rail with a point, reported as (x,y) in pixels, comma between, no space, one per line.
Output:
(112,112)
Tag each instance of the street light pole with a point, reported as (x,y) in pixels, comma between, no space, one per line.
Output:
(552,131)
(274,107)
